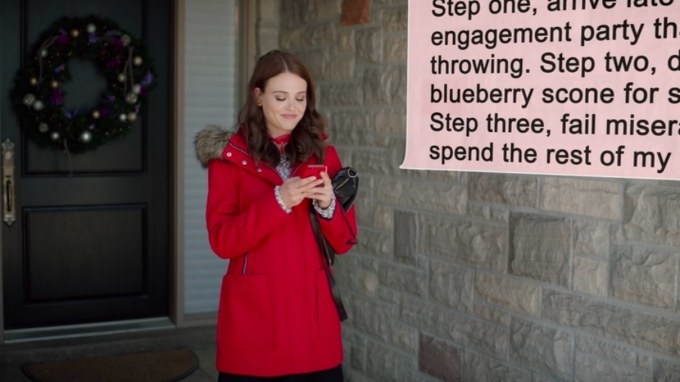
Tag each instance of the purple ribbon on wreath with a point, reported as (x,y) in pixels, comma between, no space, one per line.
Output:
(56,97)
(62,39)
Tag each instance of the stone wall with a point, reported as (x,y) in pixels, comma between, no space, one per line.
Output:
(481,277)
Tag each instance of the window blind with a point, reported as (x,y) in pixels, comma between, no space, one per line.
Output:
(210,63)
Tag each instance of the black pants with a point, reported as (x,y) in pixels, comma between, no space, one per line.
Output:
(330,375)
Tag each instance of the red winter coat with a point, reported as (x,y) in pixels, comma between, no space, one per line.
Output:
(276,314)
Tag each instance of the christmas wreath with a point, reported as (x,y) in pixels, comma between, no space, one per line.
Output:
(38,96)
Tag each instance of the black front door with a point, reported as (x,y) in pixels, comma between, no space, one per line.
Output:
(91,239)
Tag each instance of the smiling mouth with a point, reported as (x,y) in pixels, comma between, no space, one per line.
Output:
(289,116)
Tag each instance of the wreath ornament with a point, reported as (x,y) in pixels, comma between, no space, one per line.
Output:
(38,96)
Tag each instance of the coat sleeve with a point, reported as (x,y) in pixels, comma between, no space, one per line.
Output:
(340,230)
(234,229)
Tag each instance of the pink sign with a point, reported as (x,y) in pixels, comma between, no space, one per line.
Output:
(562,87)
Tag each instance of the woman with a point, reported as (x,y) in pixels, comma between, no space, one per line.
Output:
(276,319)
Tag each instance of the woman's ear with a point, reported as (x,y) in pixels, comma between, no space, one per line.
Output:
(257,93)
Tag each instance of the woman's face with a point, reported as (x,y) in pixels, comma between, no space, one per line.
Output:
(283,102)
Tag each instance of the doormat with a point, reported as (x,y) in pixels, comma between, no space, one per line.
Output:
(163,366)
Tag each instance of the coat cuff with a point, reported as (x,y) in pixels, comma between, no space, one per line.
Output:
(326,213)
(279,200)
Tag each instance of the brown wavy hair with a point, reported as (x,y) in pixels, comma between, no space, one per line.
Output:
(308,136)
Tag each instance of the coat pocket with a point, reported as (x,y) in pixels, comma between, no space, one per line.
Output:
(326,313)
(245,316)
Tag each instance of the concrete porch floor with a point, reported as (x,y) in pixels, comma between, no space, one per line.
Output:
(200,340)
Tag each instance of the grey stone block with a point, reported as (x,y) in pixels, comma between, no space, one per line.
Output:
(645,276)
(541,348)
(472,243)
(644,330)
(540,247)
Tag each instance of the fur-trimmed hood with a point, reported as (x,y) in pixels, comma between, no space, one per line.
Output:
(209,143)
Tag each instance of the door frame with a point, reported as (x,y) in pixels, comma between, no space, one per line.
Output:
(247,52)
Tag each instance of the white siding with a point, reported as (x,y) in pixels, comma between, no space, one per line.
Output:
(210,98)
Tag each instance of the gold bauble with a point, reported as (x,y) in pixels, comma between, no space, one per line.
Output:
(132,116)
(95,114)
(75,33)
(137,60)
(121,77)
(54,84)
(33,81)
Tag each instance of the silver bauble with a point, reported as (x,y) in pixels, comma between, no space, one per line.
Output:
(137,88)
(85,136)
(38,105)
(29,99)
(122,117)
(43,127)
(54,135)
(91,28)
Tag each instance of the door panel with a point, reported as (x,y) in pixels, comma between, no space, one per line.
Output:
(117,268)
(91,239)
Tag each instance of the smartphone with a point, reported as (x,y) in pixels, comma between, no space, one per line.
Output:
(313,170)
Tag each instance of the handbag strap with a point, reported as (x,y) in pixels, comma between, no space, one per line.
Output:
(326,257)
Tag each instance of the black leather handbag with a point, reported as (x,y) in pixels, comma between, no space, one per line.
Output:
(345,186)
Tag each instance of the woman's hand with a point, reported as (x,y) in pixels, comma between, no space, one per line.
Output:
(294,190)
(323,193)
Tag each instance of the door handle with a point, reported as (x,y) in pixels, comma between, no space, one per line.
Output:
(8,208)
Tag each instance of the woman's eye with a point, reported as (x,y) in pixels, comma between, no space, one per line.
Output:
(280,99)
(300,99)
